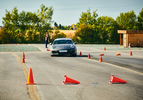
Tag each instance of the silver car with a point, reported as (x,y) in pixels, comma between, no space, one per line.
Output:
(63,46)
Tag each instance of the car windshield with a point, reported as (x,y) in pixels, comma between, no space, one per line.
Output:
(63,42)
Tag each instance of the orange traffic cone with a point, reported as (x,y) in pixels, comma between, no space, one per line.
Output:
(23,60)
(89,56)
(48,50)
(101,54)
(100,60)
(130,53)
(104,48)
(114,79)
(23,55)
(80,53)
(118,54)
(18,44)
(30,77)
(68,80)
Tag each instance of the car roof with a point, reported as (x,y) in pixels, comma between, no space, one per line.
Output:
(63,39)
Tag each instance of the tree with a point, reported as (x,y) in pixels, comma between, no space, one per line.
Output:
(58,35)
(114,36)
(87,28)
(60,26)
(5,36)
(140,20)
(86,34)
(45,17)
(22,20)
(105,27)
(88,19)
(17,24)
(11,22)
(56,25)
(127,20)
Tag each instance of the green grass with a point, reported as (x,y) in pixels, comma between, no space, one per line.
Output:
(16,48)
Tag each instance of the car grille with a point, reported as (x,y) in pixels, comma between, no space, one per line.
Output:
(69,51)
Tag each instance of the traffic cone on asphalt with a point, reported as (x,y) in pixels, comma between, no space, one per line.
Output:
(100,60)
(48,50)
(68,80)
(130,53)
(104,48)
(114,79)
(89,56)
(23,60)
(80,53)
(101,54)
(118,54)
(30,77)
(23,55)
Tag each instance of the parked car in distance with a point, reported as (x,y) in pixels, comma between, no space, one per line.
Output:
(63,46)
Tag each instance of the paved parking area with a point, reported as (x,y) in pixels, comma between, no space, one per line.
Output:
(93,75)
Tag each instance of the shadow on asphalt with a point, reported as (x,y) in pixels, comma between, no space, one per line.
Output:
(69,56)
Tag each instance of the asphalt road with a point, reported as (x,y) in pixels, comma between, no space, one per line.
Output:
(94,76)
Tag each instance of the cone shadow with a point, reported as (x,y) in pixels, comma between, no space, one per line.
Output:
(118,83)
(70,84)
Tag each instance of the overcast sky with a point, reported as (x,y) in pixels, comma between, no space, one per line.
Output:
(67,12)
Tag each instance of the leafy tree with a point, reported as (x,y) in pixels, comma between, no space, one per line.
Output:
(11,22)
(140,20)
(23,20)
(65,28)
(88,19)
(45,17)
(58,35)
(87,28)
(56,25)
(128,20)
(5,36)
(17,24)
(57,31)
(86,34)
(114,36)
(105,27)
(60,26)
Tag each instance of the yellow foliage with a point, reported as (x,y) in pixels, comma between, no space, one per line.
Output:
(69,33)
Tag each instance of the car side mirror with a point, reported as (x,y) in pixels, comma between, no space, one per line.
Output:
(75,43)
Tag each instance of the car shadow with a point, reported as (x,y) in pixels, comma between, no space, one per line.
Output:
(68,56)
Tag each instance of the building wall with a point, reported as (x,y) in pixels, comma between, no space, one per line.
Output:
(135,39)
(125,40)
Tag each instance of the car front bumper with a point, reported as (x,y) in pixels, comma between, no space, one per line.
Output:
(64,52)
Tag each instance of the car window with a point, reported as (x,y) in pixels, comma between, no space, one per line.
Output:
(63,42)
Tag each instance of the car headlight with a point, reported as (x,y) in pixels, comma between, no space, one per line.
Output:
(72,46)
(53,47)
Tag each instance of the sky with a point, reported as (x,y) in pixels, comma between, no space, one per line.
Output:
(68,12)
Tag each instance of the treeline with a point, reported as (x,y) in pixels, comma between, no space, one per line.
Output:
(94,29)
(28,27)
(61,27)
